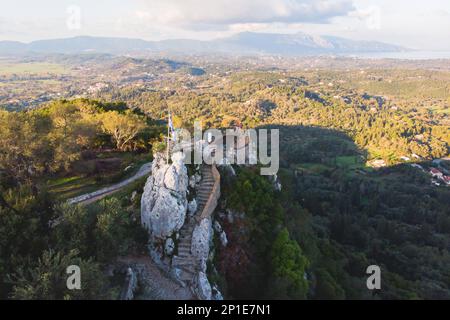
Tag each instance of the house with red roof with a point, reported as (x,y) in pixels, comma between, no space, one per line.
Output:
(436,173)
(446,179)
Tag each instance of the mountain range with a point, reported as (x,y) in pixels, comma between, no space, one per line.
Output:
(243,43)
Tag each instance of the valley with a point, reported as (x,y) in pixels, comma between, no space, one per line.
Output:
(360,143)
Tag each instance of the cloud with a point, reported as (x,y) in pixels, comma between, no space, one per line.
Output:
(195,13)
(371,16)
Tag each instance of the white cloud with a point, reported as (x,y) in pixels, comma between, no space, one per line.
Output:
(192,13)
(371,16)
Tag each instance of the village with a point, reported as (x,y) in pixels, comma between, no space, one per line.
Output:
(439,175)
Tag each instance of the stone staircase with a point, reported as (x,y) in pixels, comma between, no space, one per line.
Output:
(205,189)
(185,261)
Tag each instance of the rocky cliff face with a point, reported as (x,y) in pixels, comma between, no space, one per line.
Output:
(164,203)
(178,243)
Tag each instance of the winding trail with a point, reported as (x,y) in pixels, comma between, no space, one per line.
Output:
(188,264)
(91,197)
(155,284)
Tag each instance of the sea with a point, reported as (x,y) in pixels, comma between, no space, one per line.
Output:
(406,55)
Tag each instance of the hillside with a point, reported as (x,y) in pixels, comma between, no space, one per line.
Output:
(242,43)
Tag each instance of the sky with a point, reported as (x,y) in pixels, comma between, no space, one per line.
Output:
(416,24)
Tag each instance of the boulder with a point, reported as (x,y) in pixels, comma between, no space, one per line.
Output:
(223,239)
(216,294)
(202,287)
(192,207)
(192,182)
(276,183)
(217,227)
(130,286)
(169,246)
(195,179)
(164,203)
(201,239)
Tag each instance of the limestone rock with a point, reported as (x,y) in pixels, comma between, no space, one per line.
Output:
(201,239)
(192,182)
(169,246)
(223,239)
(202,287)
(276,182)
(217,227)
(216,294)
(192,207)
(130,287)
(164,203)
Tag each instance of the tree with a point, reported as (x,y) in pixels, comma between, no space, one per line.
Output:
(122,127)
(289,266)
(47,280)
(115,233)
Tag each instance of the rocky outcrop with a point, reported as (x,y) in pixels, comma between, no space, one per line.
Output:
(180,231)
(222,235)
(201,240)
(164,204)
(216,294)
(276,182)
(192,207)
(169,246)
(202,287)
(130,286)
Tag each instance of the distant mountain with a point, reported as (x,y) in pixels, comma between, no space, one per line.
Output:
(242,43)
(88,44)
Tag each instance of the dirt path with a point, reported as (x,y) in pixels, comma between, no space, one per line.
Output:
(102,193)
(156,285)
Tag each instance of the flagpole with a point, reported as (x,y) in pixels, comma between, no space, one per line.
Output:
(168,139)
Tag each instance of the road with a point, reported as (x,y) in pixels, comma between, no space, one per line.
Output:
(102,193)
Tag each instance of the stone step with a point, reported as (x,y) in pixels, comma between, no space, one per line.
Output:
(187,233)
(186,275)
(184,261)
(187,228)
(188,264)
(205,187)
(185,247)
(184,254)
(184,236)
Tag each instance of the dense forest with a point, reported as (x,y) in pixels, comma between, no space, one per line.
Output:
(52,142)
(343,217)
(314,239)
(387,128)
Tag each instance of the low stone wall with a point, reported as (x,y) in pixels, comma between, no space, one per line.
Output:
(130,285)
(214,196)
